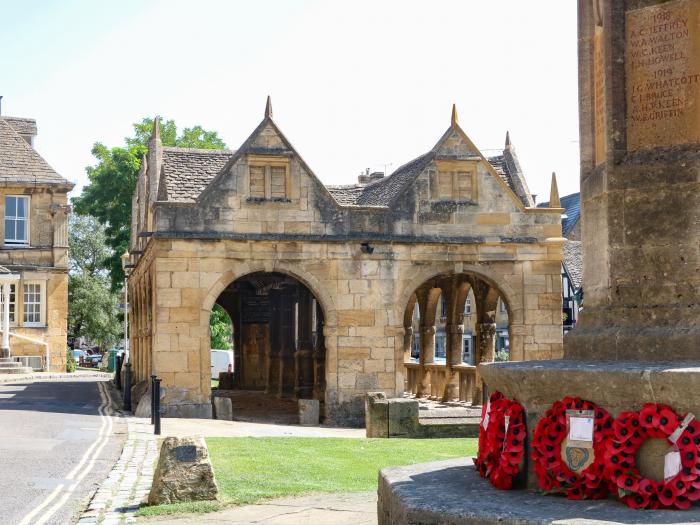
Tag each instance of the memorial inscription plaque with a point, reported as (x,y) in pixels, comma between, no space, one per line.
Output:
(663,70)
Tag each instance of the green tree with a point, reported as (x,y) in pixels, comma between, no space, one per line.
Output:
(221,329)
(107,197)
(93,307)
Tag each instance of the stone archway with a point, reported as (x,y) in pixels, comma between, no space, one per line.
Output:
(279,344)
(455,331)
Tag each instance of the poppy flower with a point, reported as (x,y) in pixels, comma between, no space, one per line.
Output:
(668,420)
(628,483)
(668,495)
(682,503)
(636,501)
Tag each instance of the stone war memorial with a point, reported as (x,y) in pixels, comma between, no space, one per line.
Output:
(323,283)
(616,417)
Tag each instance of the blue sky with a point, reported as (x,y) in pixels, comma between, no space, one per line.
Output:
(354,84)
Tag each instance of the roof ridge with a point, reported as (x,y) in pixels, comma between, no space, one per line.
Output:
(176,149)
(33,156)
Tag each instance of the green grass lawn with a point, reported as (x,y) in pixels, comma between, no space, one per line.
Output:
(215,383)
(248,470)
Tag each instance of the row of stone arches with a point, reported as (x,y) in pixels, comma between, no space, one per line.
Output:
(279,320)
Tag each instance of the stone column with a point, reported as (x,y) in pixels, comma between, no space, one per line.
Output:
(455,336)
(6,319)
(427,357)
(486,351)
(273,350)
(407,343)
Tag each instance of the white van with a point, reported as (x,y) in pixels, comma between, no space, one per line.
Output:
(220,361)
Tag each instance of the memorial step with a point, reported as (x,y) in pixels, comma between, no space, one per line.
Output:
(11,364)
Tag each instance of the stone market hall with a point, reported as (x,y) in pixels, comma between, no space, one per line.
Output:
(324,284)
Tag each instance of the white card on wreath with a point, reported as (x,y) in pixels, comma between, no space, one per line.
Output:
(485,422)
(580,429)
(672,464)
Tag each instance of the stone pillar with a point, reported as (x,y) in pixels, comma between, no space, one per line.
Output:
(6,320)
(486,351)
(427,357)
(407,343)
(455,336)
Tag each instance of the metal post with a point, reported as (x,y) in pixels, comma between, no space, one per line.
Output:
(156,383)
(153,398)
(127,386)
(118,372)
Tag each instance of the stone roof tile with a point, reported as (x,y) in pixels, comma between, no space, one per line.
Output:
(188,171)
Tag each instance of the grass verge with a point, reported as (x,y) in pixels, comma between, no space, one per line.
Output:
(249,470)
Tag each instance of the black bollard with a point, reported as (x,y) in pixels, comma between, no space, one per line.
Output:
(118,372)
(127,386)
(153,399)
(156,430)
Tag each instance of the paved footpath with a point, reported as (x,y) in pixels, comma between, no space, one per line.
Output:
(120,495)
(354,508)
(58,440)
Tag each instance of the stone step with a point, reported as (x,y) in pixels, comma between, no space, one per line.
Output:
(7,360)
(21,370)
(10,364)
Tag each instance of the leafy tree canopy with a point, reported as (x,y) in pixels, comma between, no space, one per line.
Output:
(107,197)
(221,329)
(93,307)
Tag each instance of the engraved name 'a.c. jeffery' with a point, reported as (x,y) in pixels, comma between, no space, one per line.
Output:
(663,75)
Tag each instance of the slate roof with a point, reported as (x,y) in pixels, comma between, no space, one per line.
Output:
(186,172)
(572,205)
(573,262)
(23,126)
(383,191)
(19,162)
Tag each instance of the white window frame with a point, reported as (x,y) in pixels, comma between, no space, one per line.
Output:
(13,322)
(42,305)
(15,242)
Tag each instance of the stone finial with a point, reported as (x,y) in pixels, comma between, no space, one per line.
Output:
(268,108)
(155,134)
(454,114)
(554,201)
(508,143)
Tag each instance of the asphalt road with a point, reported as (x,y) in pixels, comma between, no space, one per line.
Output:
(58,440)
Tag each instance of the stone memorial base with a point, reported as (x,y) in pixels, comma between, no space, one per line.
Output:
(452,493)
(615,386)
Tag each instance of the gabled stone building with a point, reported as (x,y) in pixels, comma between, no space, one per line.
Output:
(321,281)
(33,199)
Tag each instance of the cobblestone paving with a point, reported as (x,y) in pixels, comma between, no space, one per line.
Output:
(118,498)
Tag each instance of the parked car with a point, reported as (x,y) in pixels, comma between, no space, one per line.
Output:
(79,356)
(220,361)
(93,361)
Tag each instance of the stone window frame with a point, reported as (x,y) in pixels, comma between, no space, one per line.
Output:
(268,163)
(15,242)
(42,304)
(454,168)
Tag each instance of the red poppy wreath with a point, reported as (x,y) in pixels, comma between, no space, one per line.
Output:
(501,441)
(631,429)
(571,471)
